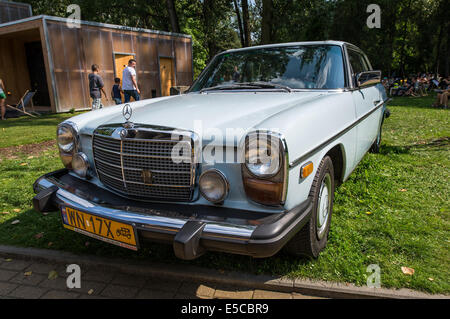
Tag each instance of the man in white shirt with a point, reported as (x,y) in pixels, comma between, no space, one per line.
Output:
(129,82)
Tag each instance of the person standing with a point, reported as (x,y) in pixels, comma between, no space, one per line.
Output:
(236,74)
(2,99)
(96,87)
(116,91)
(129,82)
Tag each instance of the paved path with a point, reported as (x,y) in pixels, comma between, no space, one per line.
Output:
(24,273)
(21,278)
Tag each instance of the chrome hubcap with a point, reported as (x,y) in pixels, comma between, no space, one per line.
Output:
(323,206)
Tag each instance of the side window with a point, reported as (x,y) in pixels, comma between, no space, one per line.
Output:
(369,65)
(357,62)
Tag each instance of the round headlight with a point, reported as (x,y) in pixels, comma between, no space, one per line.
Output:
(214,186)
(262,155)
(67,137)
(80,164)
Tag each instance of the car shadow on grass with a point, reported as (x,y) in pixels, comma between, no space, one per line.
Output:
(435,144)
(394,149)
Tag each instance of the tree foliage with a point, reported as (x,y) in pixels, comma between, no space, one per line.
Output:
(414,34)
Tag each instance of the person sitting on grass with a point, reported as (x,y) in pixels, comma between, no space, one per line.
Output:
(444,83)
(434,84)
(442,98)
(419,87)
(425,83)
(394,90)
(2,99)
(410,89)
(116,92)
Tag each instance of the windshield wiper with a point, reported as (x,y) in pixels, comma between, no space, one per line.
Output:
(248,85)
(227,87)
(268,85)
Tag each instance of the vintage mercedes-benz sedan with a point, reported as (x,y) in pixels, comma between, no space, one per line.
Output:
(245,162)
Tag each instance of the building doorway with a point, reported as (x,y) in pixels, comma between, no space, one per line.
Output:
(167,76)
(36,70)
(120,63)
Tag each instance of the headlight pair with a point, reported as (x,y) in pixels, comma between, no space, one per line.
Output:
(68,144)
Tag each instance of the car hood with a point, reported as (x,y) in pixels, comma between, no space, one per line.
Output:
(196,112)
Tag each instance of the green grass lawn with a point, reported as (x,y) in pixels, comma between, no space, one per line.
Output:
(393,211)
(27,130)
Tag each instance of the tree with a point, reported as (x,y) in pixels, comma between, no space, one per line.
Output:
(239,22)
(414,35)
(246,23)
(266,24)
(173,16)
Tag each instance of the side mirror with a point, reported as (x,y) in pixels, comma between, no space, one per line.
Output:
(174,91)
(177,90)
(369,78)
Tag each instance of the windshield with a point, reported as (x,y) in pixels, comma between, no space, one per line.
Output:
(293,67)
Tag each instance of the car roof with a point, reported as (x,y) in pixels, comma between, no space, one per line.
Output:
(278,45)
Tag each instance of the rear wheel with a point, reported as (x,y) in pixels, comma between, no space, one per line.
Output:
(313,237)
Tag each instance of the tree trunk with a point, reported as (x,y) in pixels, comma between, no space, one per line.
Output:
(173,16)
(208,24)
(438,51)
(405,14)
(390,37)
(239,21)
(447,50)
(266,23)
(246,23)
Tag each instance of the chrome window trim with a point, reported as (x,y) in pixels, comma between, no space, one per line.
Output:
(351,76)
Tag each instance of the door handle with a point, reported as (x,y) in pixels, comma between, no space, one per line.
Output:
(376,102)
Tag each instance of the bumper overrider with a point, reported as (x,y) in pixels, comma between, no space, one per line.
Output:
(191,229)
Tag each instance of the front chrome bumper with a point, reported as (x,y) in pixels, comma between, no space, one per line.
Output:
(192,229)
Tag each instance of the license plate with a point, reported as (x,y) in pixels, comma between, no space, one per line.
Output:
(104,229)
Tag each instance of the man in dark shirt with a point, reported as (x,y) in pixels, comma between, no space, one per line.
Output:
(96,88)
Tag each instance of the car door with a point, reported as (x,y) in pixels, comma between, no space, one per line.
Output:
(365,100)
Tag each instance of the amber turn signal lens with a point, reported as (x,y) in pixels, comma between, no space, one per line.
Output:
(306,170)
(263,192)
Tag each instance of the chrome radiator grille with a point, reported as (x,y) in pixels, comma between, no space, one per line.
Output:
(143,168)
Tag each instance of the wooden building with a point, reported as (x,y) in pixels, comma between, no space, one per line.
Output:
(10,11)
(51,56)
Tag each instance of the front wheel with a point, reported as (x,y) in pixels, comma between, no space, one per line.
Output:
(375,148)
(313,237)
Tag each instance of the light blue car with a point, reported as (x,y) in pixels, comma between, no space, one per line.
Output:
(245,162)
